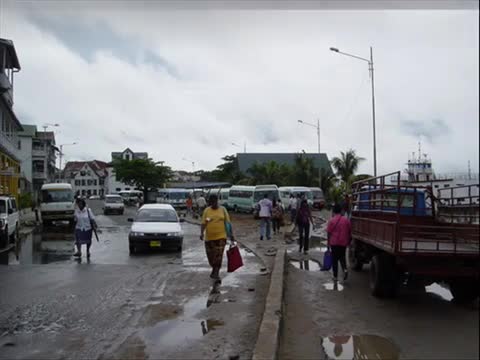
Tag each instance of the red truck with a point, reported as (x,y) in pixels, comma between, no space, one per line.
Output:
(403,232)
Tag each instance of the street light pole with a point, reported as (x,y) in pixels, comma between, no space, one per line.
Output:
(319,154)
(45,164)
(370,68)
(244,146)
(61,155)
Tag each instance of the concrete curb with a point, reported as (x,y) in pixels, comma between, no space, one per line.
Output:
(267,343)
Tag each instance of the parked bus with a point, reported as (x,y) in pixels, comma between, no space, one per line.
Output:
(223,194)
(175,197)
(318,198)
(57,203)
(286,191)
(240,198)
(270,190)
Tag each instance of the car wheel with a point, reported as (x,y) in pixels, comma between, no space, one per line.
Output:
(179,248)
(383,276)
(131,249)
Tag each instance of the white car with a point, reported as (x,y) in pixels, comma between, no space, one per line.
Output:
(156,226)
(113,204)
(9,220)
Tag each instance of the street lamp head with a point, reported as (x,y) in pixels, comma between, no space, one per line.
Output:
(300,121)
(334,49)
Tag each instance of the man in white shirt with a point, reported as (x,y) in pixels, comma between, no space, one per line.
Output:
(201,203)
(292,206)
(265,214)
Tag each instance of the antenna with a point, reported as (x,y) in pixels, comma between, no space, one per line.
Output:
(420,150)
(469,171)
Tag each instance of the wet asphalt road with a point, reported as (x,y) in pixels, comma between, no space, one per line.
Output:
(151,305)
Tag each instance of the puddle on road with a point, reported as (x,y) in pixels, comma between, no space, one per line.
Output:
(334,286)
(44,248)
(360,347)
(440,291)
(180,329)
(308,265)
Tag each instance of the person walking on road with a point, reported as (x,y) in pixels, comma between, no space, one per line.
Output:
(201,204)
(214,232)
(85,224)
(304,217)
(277,216)
(339,235)
(189,204)
(265,214)
(292,207)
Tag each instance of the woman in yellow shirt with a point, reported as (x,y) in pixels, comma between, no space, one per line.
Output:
(215,225)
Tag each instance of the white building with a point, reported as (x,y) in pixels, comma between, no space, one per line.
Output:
(113,185)
(87,177)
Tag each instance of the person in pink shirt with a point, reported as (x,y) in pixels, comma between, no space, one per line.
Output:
(339,235)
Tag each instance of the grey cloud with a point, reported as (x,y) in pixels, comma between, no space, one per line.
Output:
(429,129)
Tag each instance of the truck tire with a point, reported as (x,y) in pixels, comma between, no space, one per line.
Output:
(383,276)
(463,291)
(356,263)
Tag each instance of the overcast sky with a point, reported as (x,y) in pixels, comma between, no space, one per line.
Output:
(186,84)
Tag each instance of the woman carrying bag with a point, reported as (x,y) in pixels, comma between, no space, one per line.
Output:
(215,229)
(84,227)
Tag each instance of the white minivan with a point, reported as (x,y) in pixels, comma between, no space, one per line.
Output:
(113,204)
(57,203)
(286,191)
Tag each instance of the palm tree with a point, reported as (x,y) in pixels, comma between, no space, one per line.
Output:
(346,165)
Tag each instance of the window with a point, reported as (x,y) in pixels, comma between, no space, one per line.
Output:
(95,182)
(436,186)
(89,182)
(94,191)
(83,183)
(89,192)
(127,189)
(83,192)
(19,145)
(118,189)
(14,205)
(101,182)
(77,182)
(446,186)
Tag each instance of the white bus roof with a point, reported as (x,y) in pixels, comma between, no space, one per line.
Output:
(266,187)
(242,187)
(294,188)
(57,186)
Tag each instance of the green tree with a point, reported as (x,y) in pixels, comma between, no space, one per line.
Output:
(143,174)
(346,165)
(304,172)
(328,180)
(269,172)
(229,170)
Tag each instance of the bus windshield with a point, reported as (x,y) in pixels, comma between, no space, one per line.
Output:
(259,194)
(55,196)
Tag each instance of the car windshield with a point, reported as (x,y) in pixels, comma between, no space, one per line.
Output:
(259,194)
(53,196)
(308,194)
(177,196)
(3,206)
(113,200)
(317,194)
(157,215)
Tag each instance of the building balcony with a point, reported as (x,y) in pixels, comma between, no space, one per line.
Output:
(39,175)
(9,145)
(39,152)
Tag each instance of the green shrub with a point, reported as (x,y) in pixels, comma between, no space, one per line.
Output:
(25,201)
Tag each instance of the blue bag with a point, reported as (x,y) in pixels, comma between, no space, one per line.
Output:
(327,261)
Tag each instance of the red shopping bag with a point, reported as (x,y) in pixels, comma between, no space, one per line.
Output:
(234,259)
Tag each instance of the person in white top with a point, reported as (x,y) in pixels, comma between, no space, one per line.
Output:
(201,204)
(292,207)
(85,224)
(265,214)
